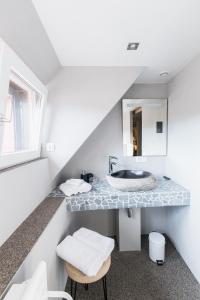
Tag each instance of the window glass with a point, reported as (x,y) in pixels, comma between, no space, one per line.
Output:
(22,117)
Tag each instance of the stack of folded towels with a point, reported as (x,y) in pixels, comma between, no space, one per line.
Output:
(86,250)
(75,186)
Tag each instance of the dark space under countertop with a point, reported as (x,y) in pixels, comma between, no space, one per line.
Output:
(16,248)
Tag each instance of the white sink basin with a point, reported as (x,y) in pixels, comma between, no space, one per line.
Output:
(131,181)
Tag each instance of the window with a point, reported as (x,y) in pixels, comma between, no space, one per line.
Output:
(21,120)
(22,116)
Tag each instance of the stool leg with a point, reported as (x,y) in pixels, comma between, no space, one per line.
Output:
(71,288)
(86,286)
(75,291)
(66,287)
(105,282)
(105,287)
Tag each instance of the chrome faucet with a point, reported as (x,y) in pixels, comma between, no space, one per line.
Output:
(112,163)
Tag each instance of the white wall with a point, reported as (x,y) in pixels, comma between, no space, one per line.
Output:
(183,162)
(150,91)
(154,143)
(107,140)
(21,28)
(104,141)
(79,99)
(22,189)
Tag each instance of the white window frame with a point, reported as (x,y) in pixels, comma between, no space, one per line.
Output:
(10,62)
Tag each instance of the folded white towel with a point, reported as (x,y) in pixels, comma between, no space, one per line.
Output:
(103,244)
(75,186)
(75,181)
(80,255)
(85,187)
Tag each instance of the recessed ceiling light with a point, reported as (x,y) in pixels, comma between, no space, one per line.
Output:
(164,74)
(132,46)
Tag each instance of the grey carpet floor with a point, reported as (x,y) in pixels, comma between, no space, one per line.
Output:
(134,277)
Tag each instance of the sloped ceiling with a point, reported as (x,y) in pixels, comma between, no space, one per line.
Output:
(22,30)
(79,99)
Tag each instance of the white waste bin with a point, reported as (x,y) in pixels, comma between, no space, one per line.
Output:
(157,247)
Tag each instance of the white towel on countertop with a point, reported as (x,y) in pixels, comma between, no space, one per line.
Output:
(75,186)
(75,181)
(80,255)
(100,243)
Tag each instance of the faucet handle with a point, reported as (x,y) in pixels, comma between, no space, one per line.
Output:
(113,157)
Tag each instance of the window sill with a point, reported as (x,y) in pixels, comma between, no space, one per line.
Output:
(21,164)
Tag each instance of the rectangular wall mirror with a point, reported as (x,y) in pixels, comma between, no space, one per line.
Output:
(144,127)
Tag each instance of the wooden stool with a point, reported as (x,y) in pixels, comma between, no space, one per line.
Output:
(77,276)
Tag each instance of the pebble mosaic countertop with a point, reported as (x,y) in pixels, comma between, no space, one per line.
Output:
(103,196)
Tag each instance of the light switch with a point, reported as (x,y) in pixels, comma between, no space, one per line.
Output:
(159,127)
(50,147)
